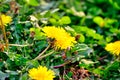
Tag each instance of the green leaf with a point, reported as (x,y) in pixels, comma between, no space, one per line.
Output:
(38,33)
(12,72)
(98,71)
(70,30)
(99,21)
(24,77)
(53,21)
(88,32)
(84,65)
(82,38)
(69,74)
(82,49)
(113,66)
(109,38)
(109,22)
(65,20)
(18,59)
(32,2)
(32,63)
(115,4)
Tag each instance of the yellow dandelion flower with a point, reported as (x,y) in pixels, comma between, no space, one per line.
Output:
(50,31)
(5,19)
(63,40)
(114,48)
(41,73)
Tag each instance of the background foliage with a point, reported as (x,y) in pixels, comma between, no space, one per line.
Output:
(93,22)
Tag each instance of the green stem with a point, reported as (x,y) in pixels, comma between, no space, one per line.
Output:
(20,45)
(42,52)
(45,55)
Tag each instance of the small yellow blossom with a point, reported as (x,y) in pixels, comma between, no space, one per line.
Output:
(41,73)
(63,40)
(114,48)
(5,19)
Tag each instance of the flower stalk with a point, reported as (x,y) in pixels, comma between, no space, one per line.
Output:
(39,56)
(4,32)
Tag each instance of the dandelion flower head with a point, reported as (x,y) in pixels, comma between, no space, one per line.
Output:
(63,39)
(114,48)
(5,19)
(41,73)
